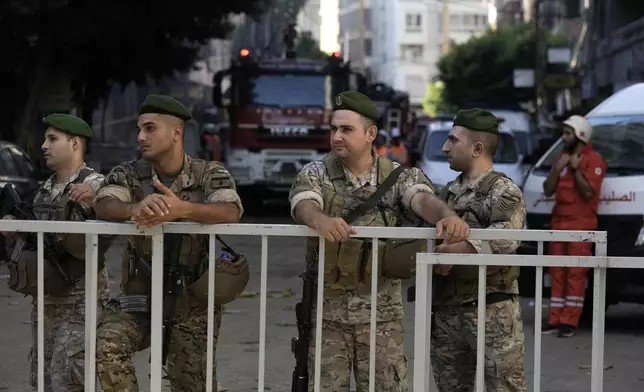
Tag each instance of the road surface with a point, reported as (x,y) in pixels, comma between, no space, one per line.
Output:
(565,363)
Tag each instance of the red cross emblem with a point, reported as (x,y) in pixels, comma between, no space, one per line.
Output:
(582,133)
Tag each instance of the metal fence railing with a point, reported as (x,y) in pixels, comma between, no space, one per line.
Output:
(425,262)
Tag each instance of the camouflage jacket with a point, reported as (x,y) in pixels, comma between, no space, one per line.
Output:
(125,184)
(502,207)
(313,183)
(52,193)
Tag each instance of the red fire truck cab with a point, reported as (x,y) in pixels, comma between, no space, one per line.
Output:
(277,117)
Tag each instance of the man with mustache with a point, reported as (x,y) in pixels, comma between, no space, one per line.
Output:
(575,180)
(322,197)
(166,185)
(484,198)
(67,195)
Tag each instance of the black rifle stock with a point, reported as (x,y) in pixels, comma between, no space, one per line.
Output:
(11,204)
(300,344)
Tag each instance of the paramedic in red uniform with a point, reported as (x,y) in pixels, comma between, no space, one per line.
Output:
(575,180)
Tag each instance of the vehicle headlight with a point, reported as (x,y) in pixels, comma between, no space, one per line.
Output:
(640,238)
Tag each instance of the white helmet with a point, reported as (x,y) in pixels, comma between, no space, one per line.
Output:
(582,128)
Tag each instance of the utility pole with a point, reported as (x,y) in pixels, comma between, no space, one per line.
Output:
(538,56)
(363,54)
(445,26)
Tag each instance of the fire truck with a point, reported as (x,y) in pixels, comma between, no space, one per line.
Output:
(278,113)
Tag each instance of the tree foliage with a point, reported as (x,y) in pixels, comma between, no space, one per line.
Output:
(308,47)
(101,42)
(434,101)
(481,69)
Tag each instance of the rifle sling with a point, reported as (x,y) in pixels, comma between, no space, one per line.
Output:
(371,202)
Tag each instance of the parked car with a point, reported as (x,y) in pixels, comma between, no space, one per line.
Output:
(18,169)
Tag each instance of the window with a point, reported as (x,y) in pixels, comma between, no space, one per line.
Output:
(415,86)
(506,151)
(413,22)
(285,90)
(413,53)
(619,139)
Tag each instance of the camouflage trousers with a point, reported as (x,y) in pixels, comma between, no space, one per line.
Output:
(454,348)
(120,335)
(346,347)
(64,347)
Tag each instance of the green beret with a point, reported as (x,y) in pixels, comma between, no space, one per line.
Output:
(163,104)
(69,124)
(356,102)
(478,120)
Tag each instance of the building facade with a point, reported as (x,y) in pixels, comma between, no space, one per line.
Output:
(403,38)
(309,19)
(613,52)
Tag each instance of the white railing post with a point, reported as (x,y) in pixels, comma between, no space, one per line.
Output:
(480,330)
(422,324)
(262,314)
(210,339)
(40,243)
(156,328)
(538,316)
(91,301)
(599,319)
(373,315)
(318,314)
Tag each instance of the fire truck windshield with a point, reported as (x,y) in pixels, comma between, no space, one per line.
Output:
(287,90)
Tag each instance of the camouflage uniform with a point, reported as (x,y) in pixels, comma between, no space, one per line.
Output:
(492,201)
(346,312)
(121,334)
(64,316)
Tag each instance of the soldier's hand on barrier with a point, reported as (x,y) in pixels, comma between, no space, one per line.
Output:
(8,233)
(454,228)
(82,193)
(152,206)
(173,207)
(334,229)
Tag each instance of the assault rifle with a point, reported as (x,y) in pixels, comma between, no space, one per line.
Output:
(11,204)
(300,344)
(173,282)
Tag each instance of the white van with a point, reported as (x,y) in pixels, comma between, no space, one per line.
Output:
(522,126)
(618,135)
(434,163)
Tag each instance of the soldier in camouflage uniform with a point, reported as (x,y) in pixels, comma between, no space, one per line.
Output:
(66,195)
(484,199)
(322,193)
(188,189)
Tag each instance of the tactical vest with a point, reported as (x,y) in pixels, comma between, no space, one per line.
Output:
(232,275)
(348,265)
(64,253)
(461,285)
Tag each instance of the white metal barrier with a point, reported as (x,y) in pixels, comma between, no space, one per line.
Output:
(423,281)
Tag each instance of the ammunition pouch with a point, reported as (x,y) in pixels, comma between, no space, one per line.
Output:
(350,258)
(231,278)
(23,275)
(399,258)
